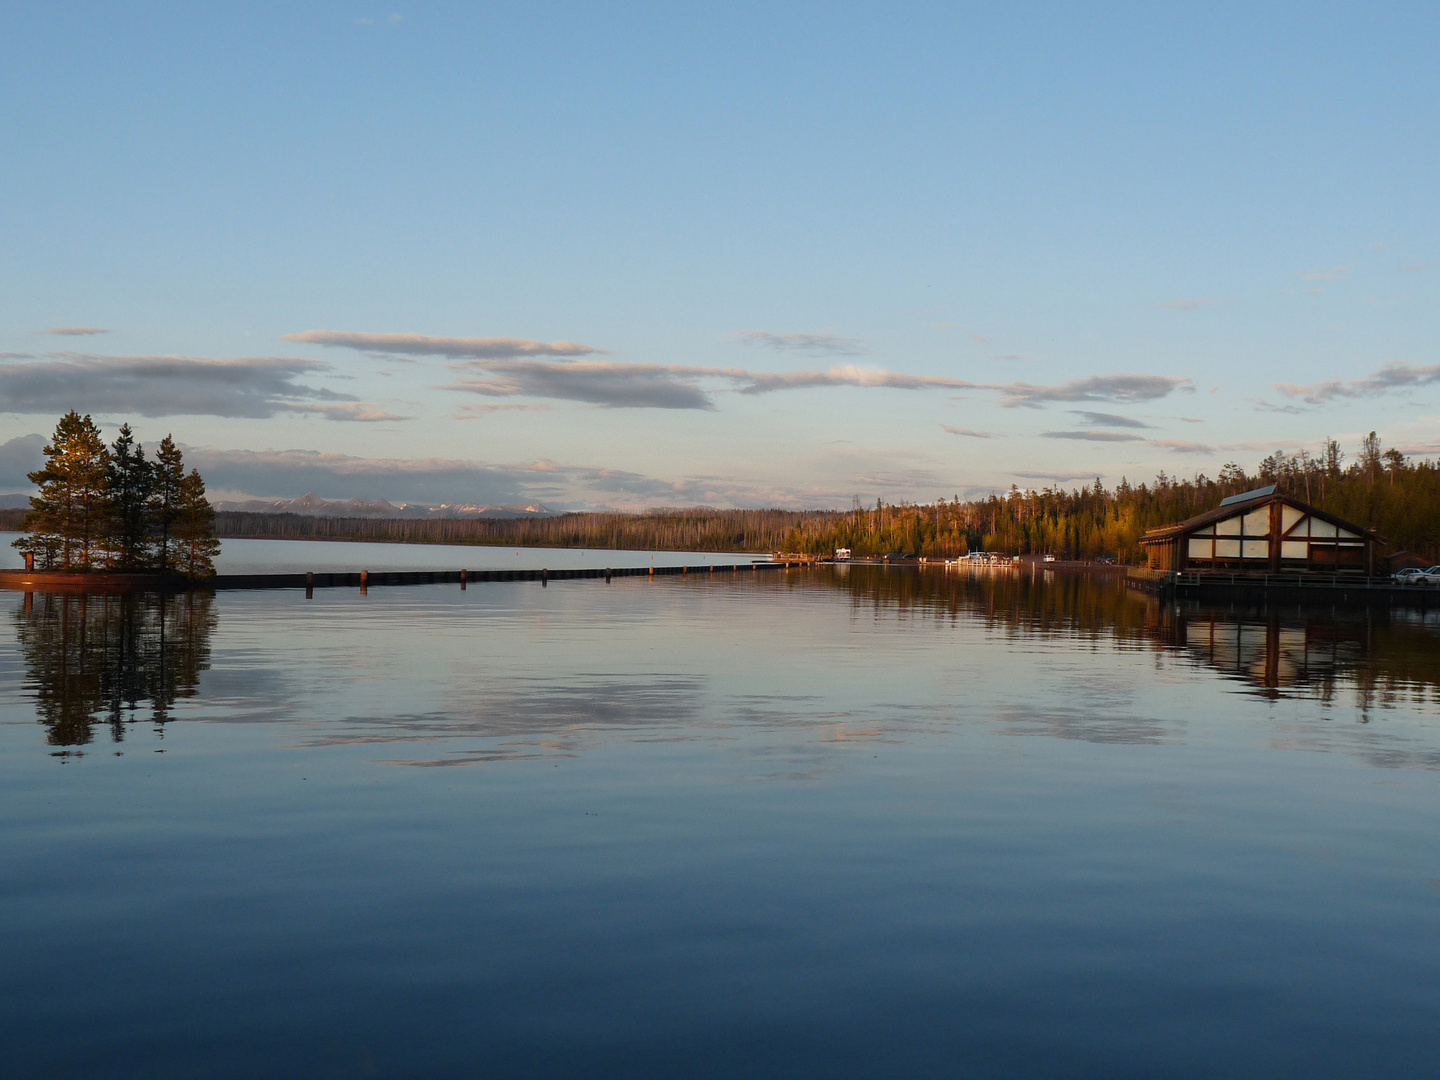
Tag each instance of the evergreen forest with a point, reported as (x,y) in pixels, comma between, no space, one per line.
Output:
(1382,489)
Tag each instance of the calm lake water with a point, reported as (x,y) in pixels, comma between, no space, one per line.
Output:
(297,556)
(810,823)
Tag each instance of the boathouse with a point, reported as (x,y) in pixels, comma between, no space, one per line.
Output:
(1266,531)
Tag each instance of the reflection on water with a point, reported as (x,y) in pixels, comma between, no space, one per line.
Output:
(881,821)
(1379,653)
(125,658)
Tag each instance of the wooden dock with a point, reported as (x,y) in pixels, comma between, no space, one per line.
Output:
(1294,586)
(61,581)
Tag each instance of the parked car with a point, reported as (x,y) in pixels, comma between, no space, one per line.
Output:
(1429,577)
(1407,576)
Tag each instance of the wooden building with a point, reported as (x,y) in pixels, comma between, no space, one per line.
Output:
(1263,530)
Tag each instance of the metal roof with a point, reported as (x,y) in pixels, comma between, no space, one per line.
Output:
(1246,496)
(1169,532)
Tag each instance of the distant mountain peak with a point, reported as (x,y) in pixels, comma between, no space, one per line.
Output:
(312,505)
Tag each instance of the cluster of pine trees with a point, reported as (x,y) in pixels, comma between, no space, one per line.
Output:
(111,508)
(1381,489)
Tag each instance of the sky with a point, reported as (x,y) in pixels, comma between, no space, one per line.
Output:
(637,255)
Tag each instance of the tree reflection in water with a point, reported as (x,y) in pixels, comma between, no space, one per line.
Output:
(1379,652)
(126,657)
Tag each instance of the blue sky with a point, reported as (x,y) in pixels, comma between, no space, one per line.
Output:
(727,254)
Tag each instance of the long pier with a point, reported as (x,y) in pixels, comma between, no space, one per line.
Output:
(62,581)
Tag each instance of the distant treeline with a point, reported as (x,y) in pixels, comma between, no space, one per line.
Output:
(672,530)
(1379,489)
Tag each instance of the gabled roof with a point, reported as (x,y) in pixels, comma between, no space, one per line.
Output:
(1246,496)
(1259,496)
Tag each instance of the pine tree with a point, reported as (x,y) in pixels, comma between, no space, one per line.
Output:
(194,530)
(130,480)
(168,480)
(67,519)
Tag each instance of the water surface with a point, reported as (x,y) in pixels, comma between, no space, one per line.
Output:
(249,556)
(838,822)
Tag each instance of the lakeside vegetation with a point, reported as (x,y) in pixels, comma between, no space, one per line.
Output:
(1381,489)
(102,508)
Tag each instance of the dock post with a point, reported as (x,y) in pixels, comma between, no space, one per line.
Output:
(652,571)
(364,582)
(544,578)
(462,580)
(29,563)
(309,585)
(607,575)
(684,569)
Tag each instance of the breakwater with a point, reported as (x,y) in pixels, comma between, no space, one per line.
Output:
(60,581)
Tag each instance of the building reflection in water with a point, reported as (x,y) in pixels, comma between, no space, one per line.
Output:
(1380,652)
(111,659)
(1269,655)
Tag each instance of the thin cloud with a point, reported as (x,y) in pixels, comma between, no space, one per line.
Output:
(1181,446)
(1123,388)
(1105,419)
(73,331)
(977,337)
(1186,305)
(613,384)
(501,367)
(1418,266)
(289,473)
(475,348)
(1335,273)
(607,383)
(1092,436)
(364,412)
(968,433)
(475,412)
(1270,406)
(810,344)
(254,386)
(1061,477)
(272,474)
(1013,356)
(1390,377)
(759,382)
